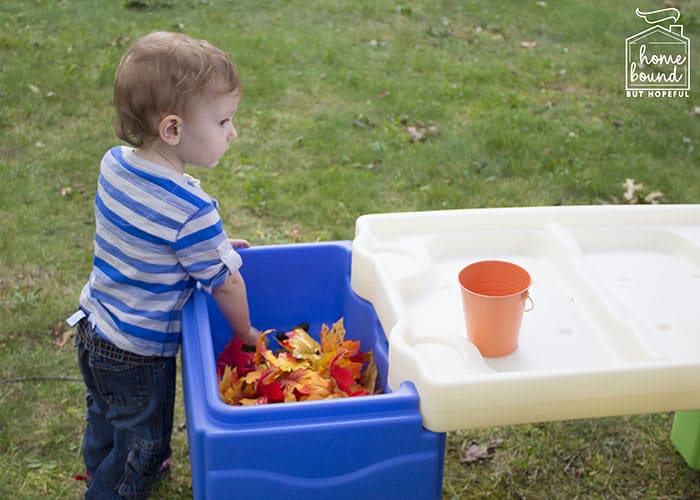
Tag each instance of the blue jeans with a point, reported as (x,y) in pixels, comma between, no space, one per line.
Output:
(130,404)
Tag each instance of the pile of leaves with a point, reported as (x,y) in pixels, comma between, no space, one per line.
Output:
(303,370)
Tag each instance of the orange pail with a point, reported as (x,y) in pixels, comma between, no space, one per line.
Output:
(494,294)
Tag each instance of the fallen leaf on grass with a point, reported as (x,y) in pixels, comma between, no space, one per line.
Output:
(420,131)
(631,189)
(474,452)
(69,191)
(439,31)
(61,333)
(361,121)
(528,44)
(374,166)
(633,193)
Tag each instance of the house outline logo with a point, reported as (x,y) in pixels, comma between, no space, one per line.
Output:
(657,59)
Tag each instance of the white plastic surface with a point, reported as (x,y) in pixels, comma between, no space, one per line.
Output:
(615,327)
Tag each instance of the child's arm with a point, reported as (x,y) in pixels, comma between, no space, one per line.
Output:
(232,299)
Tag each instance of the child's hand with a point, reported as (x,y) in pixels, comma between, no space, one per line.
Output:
(251,338)
(239,243)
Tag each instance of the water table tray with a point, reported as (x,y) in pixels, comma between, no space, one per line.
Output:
(615,328)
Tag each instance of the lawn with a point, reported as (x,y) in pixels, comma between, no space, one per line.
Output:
(349,107)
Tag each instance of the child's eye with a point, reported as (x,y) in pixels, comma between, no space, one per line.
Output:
(225,121)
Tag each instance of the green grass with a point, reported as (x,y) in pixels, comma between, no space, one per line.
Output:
(329,90)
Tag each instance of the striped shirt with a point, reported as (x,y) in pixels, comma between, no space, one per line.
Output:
(157,235)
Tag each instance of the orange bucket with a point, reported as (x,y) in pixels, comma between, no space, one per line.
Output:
(494,294)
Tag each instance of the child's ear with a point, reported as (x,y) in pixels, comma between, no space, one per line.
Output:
(169,129)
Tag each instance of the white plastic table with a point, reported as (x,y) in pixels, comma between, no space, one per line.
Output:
(615,327)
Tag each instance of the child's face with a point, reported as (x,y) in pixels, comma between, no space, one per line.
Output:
(208,129)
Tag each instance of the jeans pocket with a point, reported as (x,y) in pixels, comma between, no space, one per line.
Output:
(119,383)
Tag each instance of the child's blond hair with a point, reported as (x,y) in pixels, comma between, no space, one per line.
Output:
(160,75)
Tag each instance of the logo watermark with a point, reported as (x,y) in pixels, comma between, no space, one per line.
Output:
(658,58)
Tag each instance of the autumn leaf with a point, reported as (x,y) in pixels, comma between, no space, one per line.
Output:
(261,347)
(230,386)
(474,452)
(252,378)
(361,121)
(284,361)
(305,385)
(332,338)
(233,355)
(300,344)
(270,388)
(323,363)
(254,401)
(419,131)
(295,384)
(61,333)
(344,377)
(633,193)
(369,377)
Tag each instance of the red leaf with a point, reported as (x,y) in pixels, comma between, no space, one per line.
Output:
(233,356)
(345,380)
(273,391)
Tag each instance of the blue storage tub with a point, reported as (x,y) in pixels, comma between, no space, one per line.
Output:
(368,446)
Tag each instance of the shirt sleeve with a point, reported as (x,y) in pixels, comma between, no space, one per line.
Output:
(204,250)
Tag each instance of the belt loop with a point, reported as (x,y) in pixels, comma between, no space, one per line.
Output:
(76,318)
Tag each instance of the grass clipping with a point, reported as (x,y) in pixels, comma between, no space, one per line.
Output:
(304,370)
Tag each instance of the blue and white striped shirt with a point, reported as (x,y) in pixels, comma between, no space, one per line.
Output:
(157,234)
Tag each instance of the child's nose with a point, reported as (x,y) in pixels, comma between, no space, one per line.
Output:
(233,133)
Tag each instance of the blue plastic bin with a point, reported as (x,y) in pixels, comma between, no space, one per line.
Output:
(362,447)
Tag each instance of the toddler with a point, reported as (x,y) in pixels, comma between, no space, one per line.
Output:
(158,236)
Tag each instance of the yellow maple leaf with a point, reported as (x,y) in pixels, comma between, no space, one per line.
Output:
(252,378)
(253,401)
(314,386)
(301,345)
(261,346)
(284,361)
(230,386)
(333,338)
(322,364)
